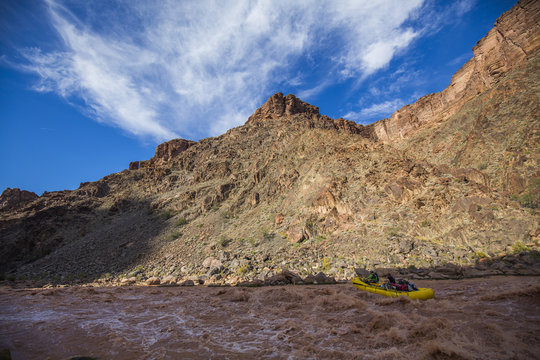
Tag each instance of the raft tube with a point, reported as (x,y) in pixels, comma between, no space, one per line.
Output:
(420,294)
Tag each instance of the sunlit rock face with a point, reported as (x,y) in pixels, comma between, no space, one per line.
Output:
(512,43)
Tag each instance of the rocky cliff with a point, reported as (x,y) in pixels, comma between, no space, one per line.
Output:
(511,44)
(451,179)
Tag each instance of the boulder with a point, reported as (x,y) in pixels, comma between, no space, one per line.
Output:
(211,262)
(128,281)
(321,278)
(296,234)
(285,277)
(169,280)
(187,283)
(153,281)
(450,270)
(279,220)
(362,273)
(213,265)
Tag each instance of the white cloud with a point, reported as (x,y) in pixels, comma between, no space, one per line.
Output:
(376,110)
(199,68)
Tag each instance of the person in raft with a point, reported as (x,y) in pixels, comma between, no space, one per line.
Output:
(372,278)
(400,285)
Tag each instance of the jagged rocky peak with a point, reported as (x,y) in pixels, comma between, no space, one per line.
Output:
(278,105)
(12,199)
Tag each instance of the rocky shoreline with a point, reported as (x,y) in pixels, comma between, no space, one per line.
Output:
(521,264)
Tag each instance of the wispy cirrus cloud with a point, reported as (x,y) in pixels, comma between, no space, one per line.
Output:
(384,109)
(194,69)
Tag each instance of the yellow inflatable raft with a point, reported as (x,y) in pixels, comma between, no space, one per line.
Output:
(421,293)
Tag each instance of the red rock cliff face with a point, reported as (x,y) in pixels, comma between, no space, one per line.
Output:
(513,41)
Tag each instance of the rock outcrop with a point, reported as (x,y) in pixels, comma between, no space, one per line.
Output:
(12,199)
(279,106)
(164,153)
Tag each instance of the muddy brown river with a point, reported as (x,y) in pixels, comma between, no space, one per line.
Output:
(488,318)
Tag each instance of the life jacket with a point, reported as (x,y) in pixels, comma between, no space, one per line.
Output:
(402,287)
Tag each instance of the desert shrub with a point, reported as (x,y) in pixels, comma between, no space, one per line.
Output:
(224,241)
(531,201)
(174,235)
(393,231)
(481,255)
(267,235)
(181,222)
(519,247)
(426,223)
(326,264)
(167,214)
(531,198)
(242,269)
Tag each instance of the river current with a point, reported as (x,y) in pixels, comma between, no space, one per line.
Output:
(487,318)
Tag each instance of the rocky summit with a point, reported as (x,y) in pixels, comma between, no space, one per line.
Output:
(449,185)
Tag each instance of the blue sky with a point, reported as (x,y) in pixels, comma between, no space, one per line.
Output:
(88,86)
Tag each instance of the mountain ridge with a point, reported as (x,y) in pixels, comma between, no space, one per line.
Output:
(294,189)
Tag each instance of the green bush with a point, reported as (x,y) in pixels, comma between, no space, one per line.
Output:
(224,241)
(167,214)
(181,222)
(243,269)
(519,247)
(393,231)
(480,255)
(326,264)
(531,201)
(426,223)
(267,235)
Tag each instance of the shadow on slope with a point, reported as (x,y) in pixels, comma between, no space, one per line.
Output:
(82,244)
